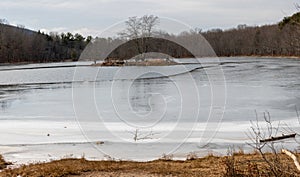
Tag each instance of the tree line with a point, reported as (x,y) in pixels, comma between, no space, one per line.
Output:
(18,44)
(282,39)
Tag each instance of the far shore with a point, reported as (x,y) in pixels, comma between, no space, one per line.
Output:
(242,56)
(261,56)
(163,62)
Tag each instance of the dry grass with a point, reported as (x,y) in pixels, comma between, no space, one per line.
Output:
(3,163)
(67,167)
(238,165)
(253,165)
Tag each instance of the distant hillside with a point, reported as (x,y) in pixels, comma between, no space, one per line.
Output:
(18,44)
(292,20)
(282,39)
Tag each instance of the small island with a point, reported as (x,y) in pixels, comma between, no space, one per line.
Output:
(148,62)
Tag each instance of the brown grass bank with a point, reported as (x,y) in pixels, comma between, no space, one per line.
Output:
(3,163)
(237,165)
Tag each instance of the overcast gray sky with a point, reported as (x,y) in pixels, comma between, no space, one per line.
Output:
(89,17)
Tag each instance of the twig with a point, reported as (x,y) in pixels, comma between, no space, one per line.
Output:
(137,135)
(297,114)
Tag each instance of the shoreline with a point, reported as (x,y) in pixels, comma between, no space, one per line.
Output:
(239,56)
(210,165)
(57,146)
(261,56)
(162,62)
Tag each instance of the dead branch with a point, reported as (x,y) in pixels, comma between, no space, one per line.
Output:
(278,138)
(292,156)
(138,135)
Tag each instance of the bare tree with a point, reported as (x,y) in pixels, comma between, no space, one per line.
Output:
(148,22)
(133,28)
(140,27)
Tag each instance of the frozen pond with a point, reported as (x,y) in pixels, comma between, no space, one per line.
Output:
(50,111)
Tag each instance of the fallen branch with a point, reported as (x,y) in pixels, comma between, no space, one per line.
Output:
(278,138)
(137,135)
(291,155)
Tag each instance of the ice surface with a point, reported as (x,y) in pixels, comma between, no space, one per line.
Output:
(50,113)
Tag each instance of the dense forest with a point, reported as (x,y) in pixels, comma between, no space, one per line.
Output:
(18,44)
(282,39)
